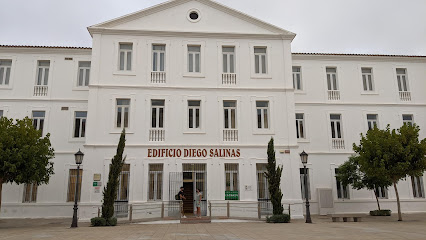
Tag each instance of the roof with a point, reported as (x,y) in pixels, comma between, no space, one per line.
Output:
(297,53)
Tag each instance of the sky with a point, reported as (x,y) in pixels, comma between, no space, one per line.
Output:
(330,26)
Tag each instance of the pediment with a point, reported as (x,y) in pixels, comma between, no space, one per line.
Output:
(173,16)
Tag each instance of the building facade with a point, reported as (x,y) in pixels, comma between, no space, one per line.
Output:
(200,99)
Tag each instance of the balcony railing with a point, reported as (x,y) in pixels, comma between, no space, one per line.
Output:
(333,95)
(405,96)
(230,135)
(338,143)
(40,90)
(229,78)
(157,135)
(158,77)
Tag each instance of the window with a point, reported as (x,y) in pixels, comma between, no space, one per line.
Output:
(381,192)
(407,119)
(418,187)
(5,68)
(158,58)
(372,121)
(30,192)
(332,83)
(71,184)
(83,74)
(231,181)
(230,114)
(297,78)
(155,190)
(336,126)
(367,79)
(194,114)
(342,190)
(401,76)
(260,64)
(123,184)
(80,124)
(302,183)
(262,181)
(43,73)
(228,54)
(1,113)
(38,120)
(300,125)
(262,114)
(194,59)
(125,63)
(123,110)
(157,113)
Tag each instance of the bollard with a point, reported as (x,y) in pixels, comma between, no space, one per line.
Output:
(210,210)
(227,209)
(258,210)
(131,212)
(162,209)
(289,212)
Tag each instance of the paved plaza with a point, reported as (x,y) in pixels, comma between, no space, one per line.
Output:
(413,227)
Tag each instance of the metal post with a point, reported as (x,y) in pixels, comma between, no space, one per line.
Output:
(74,217)
(162,209)
(308,212)
(99,212)
(258,210)
(289,210)
(227,209)
(210,210)
(131,213)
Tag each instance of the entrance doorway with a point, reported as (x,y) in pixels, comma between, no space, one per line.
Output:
(188,203)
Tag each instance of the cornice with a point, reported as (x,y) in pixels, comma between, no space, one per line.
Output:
(112,86)
(159,145)
(357,57)
(361,104)
(138,32)
(46,50)
(42,100)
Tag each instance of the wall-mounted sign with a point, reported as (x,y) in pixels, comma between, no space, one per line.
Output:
(194,153)
(97,177)
(97,184)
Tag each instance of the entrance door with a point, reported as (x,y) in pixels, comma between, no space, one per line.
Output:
(188,203)
(195,175)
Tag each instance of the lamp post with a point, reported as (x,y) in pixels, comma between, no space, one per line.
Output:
(78,160)
(304,158)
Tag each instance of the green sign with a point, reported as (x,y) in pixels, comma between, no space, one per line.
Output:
(231,195)
(95,184)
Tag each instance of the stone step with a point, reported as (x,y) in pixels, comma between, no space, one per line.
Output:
(193,220)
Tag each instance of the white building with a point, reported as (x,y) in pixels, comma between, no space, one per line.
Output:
(201,89)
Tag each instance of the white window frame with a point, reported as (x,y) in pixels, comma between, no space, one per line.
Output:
(85,80)
(418,190)
(43,74)
(69,184)
(295,75)
(264,180)
(231,178)
(329,75)
(335,130)
(194,115)
(228,59)
(342,189)
(370,122)
(262,59)
(122,117)
(229,111)
(126,54)
(32,196)
(38,120)
(5,69)
(158,62)
(192,55)
(157,114)
(302,180)
(367,80)
(399,78)
(380,191)
(81,119)
(268,73)
(298,124)
(186,72)
(155,173)
(262,114)
(407,121)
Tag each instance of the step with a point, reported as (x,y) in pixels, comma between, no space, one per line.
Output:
(194,220)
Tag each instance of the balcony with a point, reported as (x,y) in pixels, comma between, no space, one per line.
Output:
(333,95)
(158,77)
(40,90)
(338,143)
(405,96)
(157,135)
(229,78)
(230,135)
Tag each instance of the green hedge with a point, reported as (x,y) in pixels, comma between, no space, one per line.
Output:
(384,212)
(284,218)
(99,221)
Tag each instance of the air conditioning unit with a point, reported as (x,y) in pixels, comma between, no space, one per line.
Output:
(326,201)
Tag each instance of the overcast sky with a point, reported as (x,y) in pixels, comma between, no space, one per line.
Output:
(335,26)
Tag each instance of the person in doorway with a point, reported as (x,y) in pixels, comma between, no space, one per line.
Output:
(198,197)
(182,197)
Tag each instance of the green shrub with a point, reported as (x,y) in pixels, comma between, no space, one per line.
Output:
(384,212)
(98,221)
(111,221)
(283,218)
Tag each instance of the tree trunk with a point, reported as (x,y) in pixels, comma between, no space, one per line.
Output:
(1,188)
(397,201)
(377,199)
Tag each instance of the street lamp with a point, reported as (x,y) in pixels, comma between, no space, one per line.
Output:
(304,158)
(78,160)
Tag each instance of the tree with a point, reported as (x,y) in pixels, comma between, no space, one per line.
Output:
(24,153)
(393,155)
(273,175)
(110,191)
(349,173)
